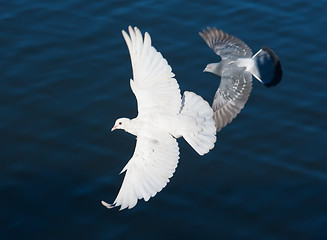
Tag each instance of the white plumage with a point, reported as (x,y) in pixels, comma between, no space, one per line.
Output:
(162,117)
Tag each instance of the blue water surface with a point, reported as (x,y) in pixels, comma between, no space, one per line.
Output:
(64,72)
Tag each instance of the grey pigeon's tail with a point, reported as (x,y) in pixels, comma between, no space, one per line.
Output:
(268,65)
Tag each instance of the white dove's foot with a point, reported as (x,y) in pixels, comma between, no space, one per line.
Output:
(107,205)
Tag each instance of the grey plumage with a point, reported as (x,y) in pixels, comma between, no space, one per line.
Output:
(230,98)
(235,84)
(225,45)
(236,69)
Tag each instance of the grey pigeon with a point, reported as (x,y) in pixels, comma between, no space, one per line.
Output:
(236,68)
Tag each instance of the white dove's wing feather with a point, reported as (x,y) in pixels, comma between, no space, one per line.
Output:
(153,81)
(148,171)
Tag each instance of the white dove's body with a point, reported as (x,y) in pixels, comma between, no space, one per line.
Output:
(163,116)
(159,122)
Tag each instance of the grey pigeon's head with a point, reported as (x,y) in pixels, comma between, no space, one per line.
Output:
(213,68)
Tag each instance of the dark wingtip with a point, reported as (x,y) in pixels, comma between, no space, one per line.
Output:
(278,68)
(205,35)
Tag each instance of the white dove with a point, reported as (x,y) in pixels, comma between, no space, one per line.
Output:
(236,68)
(162,117)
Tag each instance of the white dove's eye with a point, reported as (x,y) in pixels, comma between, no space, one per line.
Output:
(120,123)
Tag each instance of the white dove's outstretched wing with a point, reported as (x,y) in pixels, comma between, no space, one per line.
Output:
(148,171)
(153,83)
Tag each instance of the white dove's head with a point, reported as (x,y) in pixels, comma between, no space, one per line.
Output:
(121,123)
(213,68)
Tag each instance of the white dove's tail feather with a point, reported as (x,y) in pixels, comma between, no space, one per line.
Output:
(202,135)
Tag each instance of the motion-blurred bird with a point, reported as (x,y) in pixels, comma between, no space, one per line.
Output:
(163,116)
(236,68)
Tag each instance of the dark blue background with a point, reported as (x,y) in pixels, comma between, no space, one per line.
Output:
(64,71)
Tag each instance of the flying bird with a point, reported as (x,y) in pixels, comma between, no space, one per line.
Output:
(236,68)
(163,116)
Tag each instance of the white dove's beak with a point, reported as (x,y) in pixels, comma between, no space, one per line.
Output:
(113,128)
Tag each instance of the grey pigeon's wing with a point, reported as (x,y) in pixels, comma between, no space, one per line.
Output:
(224,44)
(231,96)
